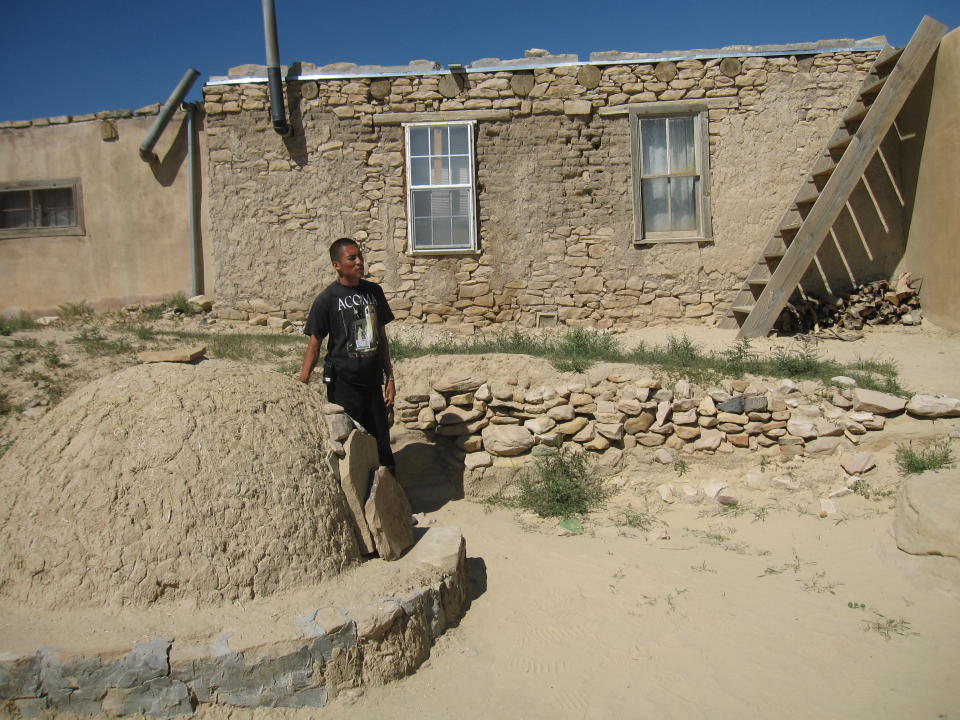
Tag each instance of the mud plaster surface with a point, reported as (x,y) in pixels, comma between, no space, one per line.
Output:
(200,483)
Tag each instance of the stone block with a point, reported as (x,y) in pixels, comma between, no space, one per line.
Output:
(507,440)
(388,515)
(356,468)
(185,355)
(927,515)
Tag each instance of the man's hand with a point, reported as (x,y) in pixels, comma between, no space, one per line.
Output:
(389,392)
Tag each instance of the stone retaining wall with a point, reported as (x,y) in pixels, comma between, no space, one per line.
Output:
(501,425)
(554,188)
(338,649)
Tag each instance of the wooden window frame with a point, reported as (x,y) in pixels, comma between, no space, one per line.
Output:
(52,231)
(472,151)
(677,108)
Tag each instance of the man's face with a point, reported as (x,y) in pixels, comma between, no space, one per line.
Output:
(350,265)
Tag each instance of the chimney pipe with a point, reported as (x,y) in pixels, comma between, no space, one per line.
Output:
(166,112)
(277,111)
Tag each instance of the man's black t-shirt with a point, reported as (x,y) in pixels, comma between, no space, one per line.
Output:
(351,317)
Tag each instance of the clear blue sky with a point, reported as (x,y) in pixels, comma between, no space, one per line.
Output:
(70,57)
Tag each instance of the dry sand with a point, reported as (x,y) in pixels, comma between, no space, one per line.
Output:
(756,615)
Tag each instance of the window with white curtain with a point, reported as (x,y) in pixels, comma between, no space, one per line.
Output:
(671,188)
(441,214)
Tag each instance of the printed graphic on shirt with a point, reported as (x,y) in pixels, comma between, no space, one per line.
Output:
(359,316)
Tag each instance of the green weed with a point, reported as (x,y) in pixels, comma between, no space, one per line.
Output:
(6,406)
(4,446)
(75,312)
(637,519)
(561,485)
(95,344)
(145,333)
(888,627)
(53,387)
(180,302)
(51,356)
(21,321)
(819,584)
(934,455)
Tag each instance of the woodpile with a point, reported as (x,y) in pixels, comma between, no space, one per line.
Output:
(874,303)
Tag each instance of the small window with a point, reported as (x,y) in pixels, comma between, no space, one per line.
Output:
(40,208)
(671,189)
(441,215)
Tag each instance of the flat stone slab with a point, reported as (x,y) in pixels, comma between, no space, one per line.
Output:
(933,406)
(877,402)
(389,516)
(927,516)
(356,472)
(183,355)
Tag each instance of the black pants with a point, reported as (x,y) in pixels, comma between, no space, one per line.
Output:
(365,405)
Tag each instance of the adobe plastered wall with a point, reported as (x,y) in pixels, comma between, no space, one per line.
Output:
(933,241)
(554,190)
(136,244)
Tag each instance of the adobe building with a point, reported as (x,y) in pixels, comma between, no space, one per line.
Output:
(621,191)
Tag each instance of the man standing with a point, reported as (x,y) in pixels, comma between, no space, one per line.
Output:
(352,313)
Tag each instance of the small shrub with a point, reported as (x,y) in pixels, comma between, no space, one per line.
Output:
(152,312)
(53,387)
(574,364)
(6,406)
(51,356)
(4,446)
(582,343)
(803,361)
(637,519)
(96,345)
(146,333)
(75,312)
(179,302)
(22,321)
(560,486)
(935,455)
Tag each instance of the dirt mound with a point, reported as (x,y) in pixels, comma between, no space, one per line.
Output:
(203,483)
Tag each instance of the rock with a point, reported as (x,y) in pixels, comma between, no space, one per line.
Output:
(507,440)
(340,426)
(877,402)
(683,389)
(709,440)
(651,439)
(426,418)
(469,443)
(356,469)
(474,460)
(641,423)
(561,413)
(598,444)
(454,415)
(202,301)
(740,440)
(666,492)
(756,481)
(858,464)
(611,431)
(437,401)
(933,406)
(784,482)
(458,382)
(686,432)
(711,490)
(728,500)
(686,417)
(388,515)
(186,355)
(822,445)
(664,411)
(734,405)
(707,406)
(754,403)
(333,409)
(787,387)
(734,418)
(540,425)
(586,433)
(278,323)
(483,393)
(663,456)
(801,428)
(844,381)
(927,515)
(572,427)
(827,507)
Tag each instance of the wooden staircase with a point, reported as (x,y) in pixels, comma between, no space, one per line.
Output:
(834,176)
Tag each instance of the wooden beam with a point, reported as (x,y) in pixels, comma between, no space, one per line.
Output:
(844,179)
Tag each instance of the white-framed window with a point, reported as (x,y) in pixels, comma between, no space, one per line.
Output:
(441,192)
(50,207)
(671,181)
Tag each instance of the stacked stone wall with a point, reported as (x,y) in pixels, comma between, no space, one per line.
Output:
(554,189)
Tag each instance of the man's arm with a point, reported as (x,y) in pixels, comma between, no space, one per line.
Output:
(390,389)
(310,357)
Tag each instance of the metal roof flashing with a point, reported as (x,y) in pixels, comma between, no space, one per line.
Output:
(346,71)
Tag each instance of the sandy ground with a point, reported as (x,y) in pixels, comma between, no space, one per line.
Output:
(772,612)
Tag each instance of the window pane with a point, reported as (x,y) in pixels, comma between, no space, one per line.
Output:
(460,168)
(15,200)
(654,138)
(421,203)
(420,170)
(419,141)
(656,214)
(458,140)
(682,157)
(421,233)
(461,232)
(441,231)
(459,203)
(16,219)
(683,203)
(440,203)
(440,171)
(438,141)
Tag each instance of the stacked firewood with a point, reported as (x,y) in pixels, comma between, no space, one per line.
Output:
(875,303)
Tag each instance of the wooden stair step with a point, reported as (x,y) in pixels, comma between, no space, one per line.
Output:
(872,89)
(841,143)
(824,167)
(885,63)
(759,276)
(807,196)
(857,112)
(741,309)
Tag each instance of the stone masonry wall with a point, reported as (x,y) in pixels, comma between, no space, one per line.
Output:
(554,189)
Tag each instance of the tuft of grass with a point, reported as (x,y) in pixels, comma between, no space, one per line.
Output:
(75,312)
(561,485)
(819,584)
(21,321)
(802,361)
(680,466)
(145,333)
(95,344)
(152,312)
(637,519)
(4,446)
(180,303)
(54,388)
(6,407)
(888,627)
(934,455)
(51,356)
(574,365)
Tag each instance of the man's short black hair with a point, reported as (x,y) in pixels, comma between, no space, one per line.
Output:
(336,247)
